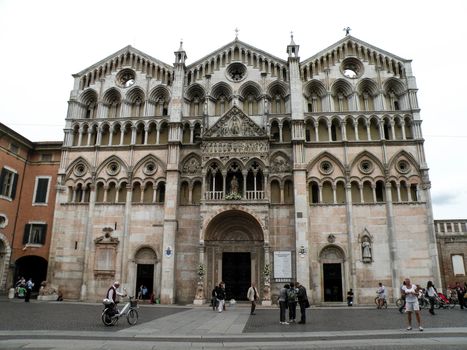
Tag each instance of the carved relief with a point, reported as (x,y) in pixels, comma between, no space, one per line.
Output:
(235,124)
(242,149)
(191,167)
(280,165)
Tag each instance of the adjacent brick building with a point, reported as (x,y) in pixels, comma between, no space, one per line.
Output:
(28,175)
(451,236)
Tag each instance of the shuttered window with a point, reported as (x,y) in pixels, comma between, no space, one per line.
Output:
(42,188)
(35,234)
(8,181)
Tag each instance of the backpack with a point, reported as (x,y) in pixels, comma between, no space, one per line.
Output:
(292,295)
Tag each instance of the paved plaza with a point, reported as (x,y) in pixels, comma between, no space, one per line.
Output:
(66,325)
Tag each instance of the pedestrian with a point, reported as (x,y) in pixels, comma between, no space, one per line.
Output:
(465,295)
(220,295)
(381,292)
(411,298)
(283,303)
(292,300)
(302,301)
(431,293)
(29,286)
(350,297)
(253,297)
(402,297)
(214,298)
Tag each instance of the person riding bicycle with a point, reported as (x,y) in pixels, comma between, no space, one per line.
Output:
(381,295)
(113,294)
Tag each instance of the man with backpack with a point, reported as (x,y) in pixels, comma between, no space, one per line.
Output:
(292,300)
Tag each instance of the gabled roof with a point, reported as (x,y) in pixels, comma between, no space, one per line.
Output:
(125,50)
(240,44)
(355,40)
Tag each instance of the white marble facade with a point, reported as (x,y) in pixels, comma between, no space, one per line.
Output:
(183,175)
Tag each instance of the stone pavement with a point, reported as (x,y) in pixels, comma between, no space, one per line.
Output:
(201,328)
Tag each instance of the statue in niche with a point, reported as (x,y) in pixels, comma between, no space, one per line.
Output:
(234,185)
(366,250)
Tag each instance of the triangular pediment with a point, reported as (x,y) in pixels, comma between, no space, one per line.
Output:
(235,124)
(352,42)
(127,50)
(239,45)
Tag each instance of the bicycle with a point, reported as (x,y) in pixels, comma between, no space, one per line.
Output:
(109,318)
(385,303)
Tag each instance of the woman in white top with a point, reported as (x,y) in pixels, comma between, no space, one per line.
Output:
(411,298)
(431,293)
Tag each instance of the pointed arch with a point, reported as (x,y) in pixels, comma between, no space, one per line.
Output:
(110,159)
(404,154)
(325,154)
(72,165)
(369,155)
(142,161)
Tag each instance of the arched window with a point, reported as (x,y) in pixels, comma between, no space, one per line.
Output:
(286,131)
(414,192)
(323,134)
(99,192)
(186,134)
(136,193)
(163,134)
(404,192)
(196,195)
(336,134)
(148,193)
(122,192)
(328,196)
(314,192)
(111,193)
(275,192)
(160,192)
(288,192)
(380,191)
(310,135)
(275,136)
(184,193)
(367,192)
(340,192)
(355,189)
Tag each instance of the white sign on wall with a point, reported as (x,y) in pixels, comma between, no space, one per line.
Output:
(282,264)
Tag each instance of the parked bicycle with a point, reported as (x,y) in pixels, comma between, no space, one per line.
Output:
(129,310)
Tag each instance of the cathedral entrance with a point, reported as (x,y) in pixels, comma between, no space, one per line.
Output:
(332,282)
(332,272)
(233,253)
(236,274)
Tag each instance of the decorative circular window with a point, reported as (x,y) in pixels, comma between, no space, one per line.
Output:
(325,167)
(403,166)
(80,169)
(150,168)
(236,72)
(3,221)
(126,78)
(113,168)
(366,166)
(352,68)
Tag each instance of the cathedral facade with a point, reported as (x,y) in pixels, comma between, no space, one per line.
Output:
(243,167)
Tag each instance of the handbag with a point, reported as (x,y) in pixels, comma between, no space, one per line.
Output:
(307,303)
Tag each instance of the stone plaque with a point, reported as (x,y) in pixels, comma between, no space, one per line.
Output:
(282,264)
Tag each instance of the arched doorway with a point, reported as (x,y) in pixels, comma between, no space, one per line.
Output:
(234,252)
(146,261)
(32,266)
(332,272)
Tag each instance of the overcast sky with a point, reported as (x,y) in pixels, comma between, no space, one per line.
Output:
(44,42)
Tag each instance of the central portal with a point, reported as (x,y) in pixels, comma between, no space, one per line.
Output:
(236,273)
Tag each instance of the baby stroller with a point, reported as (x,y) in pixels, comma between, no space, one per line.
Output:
(443,302)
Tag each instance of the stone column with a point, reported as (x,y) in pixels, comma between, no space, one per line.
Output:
(86,272)
(392,242)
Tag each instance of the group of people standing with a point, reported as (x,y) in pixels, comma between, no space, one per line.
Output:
(289,296)
(23,288)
